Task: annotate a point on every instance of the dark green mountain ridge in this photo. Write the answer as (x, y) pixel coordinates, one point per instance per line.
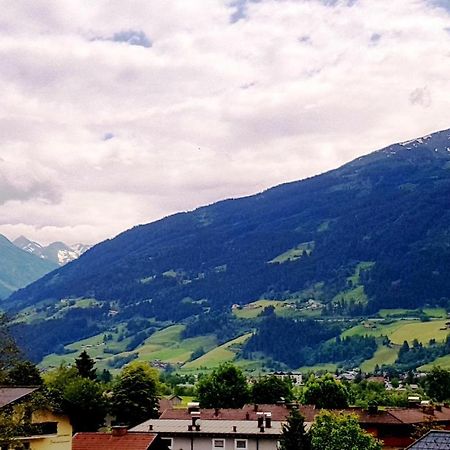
(390, 208)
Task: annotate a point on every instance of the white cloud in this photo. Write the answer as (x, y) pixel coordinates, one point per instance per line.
(218, 99)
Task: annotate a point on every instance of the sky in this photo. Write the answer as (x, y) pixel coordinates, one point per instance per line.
(115, 113)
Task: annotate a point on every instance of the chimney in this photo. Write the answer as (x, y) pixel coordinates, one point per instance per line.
(428, 409)
(216, 412)
(261, 429)
(372, 409)
(260, 417)
(193, 406)
(234, 428)
(255, 407)
(119, 430)
(150, 427)
(247, 416)
(195, 415)
(268, 417)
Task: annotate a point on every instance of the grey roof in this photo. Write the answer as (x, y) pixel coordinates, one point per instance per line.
(433, 440)
(208, 427)
(11, 394)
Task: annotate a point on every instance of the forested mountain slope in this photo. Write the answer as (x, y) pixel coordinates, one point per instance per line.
(389, 210)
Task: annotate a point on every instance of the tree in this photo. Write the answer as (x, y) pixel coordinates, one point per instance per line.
(326, 392)
(225, 387)
(333, 431)
(86, 366)
(80, 398)
(437, 384)
(294, 436)
(84, 403)
(24, 373)
(271, 389)
(9, 352)
(134, 396)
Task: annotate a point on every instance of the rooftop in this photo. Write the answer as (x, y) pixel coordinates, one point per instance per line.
(433, 440)
(207, 427)
(106, 441)
(12, 394)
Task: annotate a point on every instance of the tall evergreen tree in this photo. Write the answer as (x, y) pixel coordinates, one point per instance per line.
(86, 366)
(294, 436)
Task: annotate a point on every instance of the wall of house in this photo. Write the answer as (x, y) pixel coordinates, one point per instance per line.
(61, 441)
(206, 443)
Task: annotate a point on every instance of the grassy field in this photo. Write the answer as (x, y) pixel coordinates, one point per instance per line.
(433, 313)
(165, 345)
(383, 355)
(223, 353)
(402, 330)
(443, 361)
(253, 309)
(318, 368)
(305, 248)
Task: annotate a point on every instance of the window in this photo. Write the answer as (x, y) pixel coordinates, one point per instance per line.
(218, 443)
(168, 442)
(240, 444)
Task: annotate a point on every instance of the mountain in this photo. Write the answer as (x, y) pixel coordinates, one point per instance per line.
(18, 268)
(373, 234)
(57, 252)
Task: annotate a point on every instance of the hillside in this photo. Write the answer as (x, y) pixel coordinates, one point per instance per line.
(18, 268)
(372, 234)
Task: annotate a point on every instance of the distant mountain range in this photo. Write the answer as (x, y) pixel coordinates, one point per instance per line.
(373, 234)
(57, 252)
(19, 268)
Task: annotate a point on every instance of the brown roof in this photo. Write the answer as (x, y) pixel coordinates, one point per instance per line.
(392, 416)
(106, 441)
(247, 412)
(11, 394)
(417, 415)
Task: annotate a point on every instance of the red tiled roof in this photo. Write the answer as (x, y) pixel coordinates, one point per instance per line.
(106, 441)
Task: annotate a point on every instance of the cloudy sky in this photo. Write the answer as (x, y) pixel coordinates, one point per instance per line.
(115, 112)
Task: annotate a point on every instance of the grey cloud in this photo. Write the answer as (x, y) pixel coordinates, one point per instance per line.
(421, 97)
(108, 136)
(132, 37)
(375, 38)
(240, 11)
(34, 190)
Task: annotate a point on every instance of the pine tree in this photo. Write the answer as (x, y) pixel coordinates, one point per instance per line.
(85, 366)
(294, 436)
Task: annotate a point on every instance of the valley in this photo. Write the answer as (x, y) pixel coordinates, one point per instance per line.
(332, 272)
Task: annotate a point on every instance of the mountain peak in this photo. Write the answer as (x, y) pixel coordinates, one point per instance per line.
(57, 252)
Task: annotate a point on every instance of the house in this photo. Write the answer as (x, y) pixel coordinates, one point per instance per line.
(119, 439)
(394, 426)
(433, 440)
(295, 377)
(42, 429)
(253, 427)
